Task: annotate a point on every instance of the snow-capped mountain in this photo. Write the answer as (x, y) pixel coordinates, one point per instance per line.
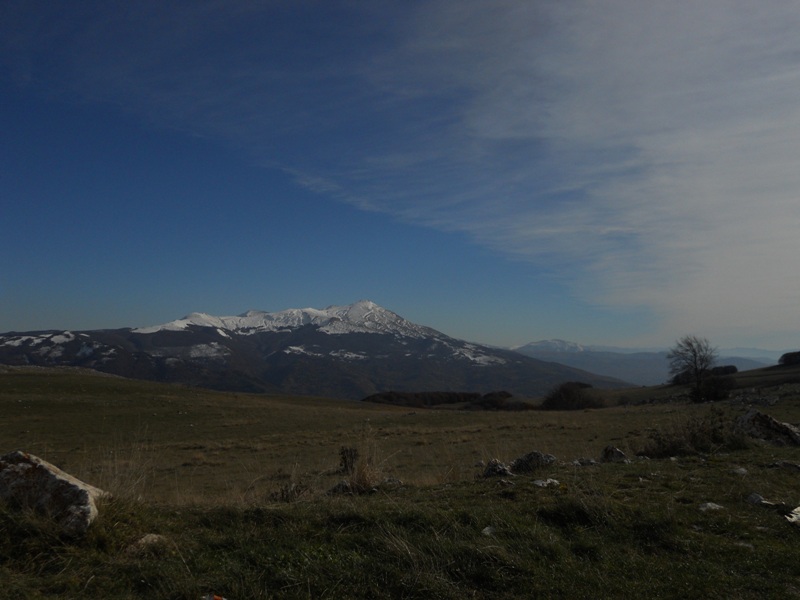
(341, 351)
(362, 317)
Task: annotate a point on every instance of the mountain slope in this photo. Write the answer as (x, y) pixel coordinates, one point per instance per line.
(347, 351)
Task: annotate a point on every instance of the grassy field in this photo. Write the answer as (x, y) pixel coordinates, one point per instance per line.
(236, 485)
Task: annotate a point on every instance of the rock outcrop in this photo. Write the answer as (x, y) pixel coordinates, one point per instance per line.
(27, 481)
(759, 425)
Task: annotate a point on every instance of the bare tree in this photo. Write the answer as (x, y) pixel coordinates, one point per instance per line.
(689, 360)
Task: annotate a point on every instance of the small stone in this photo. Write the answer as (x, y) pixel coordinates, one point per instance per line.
(613, 454)
(710, 506)
(740, 471)
(488, 531)
(794, 517)
(495, 468)
(546, 483)
(785, 464)
(150, 543)
(585, 462)
(341, 488)
(391, 483)
(758, 500)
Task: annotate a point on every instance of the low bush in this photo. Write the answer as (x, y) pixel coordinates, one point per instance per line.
(699, 435)
(715, 388)
(572, 395)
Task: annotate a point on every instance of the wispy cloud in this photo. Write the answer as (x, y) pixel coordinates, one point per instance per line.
(653, 147)
(648, 153)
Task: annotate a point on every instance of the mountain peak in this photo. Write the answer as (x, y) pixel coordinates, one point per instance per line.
(366, 304)
(363, 316)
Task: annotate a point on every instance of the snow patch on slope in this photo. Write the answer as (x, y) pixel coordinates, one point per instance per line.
(300, 350)
(212, 350)
(54, 339)
(18, 340)
(473, 353)
(196, 319)
(347, 355)
(62, 338)
(551, 346)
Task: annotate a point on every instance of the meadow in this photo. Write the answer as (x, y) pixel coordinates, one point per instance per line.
(237, 487)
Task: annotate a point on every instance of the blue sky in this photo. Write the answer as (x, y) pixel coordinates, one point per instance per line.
(618, 172)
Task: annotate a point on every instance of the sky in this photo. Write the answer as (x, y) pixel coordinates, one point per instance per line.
(618, 172)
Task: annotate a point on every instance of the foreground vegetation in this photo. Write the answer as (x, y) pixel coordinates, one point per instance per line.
(236, 488)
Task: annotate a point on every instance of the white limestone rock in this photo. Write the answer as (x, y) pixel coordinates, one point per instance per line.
(759, 425)
(614, 455)
(27, 481)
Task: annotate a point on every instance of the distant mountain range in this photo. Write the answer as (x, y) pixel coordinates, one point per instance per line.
(347, 351)
(639, 366)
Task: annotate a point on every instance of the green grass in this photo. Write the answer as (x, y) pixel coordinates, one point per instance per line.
(206, 471)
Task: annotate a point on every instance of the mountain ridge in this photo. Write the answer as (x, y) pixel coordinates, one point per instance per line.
(349, 351)
(363, 316)
(556, 345)
(639, 366)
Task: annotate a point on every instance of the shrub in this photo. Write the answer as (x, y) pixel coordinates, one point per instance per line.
(572, 395)
(715, 384)
(714, 388)
(698, 435)
(493, 401)
(790, 358)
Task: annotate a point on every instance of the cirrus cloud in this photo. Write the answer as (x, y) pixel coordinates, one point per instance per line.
(645, 153)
